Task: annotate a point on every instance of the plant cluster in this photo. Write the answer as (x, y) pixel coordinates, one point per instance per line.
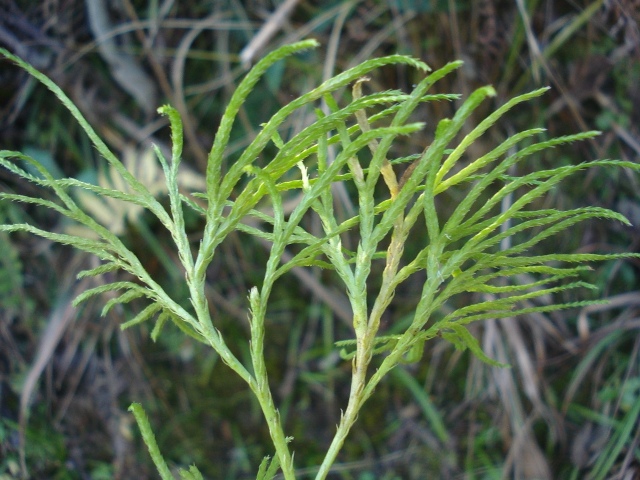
(351, 143)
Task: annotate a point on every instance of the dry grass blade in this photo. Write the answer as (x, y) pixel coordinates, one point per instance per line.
(625, 300)
(129, 75)
(57, 324)
(267, 31)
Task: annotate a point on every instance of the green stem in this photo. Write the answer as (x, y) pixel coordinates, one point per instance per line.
(272, 416)
(260, 386)
(349, 417)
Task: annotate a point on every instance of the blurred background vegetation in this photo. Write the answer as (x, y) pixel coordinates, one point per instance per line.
(568, 407)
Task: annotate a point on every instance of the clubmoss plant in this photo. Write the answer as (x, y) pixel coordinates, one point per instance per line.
(460, 254)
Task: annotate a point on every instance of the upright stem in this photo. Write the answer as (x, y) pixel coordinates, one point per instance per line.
(260, 381)
(349, 417)
(271, 414)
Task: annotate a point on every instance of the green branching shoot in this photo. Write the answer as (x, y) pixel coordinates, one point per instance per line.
(461, 252)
